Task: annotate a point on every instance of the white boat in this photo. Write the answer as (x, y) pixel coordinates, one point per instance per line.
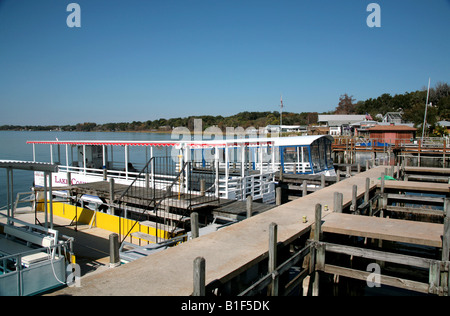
(160, 183)
(242, 167)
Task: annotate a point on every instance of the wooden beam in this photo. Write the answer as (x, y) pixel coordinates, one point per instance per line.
(419, 233)
(384, 279)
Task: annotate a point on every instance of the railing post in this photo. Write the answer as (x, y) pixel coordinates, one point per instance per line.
(199, 276)
(316, 253)
(338, 202)
(367, 191)
(114, 257)
(194, 225)
(446, 234)
(111, 196)
(278, 194)
(354, 198)
(273, 230)
(249, 206)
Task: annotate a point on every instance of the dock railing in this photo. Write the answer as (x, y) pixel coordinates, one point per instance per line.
(167, 197)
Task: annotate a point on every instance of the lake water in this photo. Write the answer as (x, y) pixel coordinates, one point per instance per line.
(13, 146)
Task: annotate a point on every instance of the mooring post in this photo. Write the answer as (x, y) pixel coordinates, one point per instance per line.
(114, 257)
(318, 222)
(354, 198)
(446, 234)
(249, 206)
(278, 192)
(199, 276)
(445, 273)
(202, 187)
(383, 195)
(305, 188)
(317, 254)
(338, 202)
(194, 225)
(273, 241)
(111, 196)
(367, 191)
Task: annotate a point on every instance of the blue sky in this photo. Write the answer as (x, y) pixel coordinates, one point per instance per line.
(140, 60)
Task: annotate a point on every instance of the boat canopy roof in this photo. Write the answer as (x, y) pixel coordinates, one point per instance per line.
(275, 141)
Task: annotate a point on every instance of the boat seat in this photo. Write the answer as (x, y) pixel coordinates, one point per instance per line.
(9, 247)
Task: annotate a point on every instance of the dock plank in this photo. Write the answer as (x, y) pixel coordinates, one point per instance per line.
(419, 233)
(416, 186)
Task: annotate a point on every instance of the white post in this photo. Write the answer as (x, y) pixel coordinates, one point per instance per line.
(152, 168)
(227, 170)
(261, 157)
(51, 199)
(104, 156)
(187, 158)
(273, 158)
(303, 162)
(217, 170)
(126, 162)
(84, 159)
(243, 182)
(51, 153)
(34, 152)
(67, 157)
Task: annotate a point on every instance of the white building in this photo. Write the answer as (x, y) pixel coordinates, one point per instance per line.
(340, 124)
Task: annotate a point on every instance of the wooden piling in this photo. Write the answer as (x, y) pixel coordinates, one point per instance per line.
(354, 198)
(273, 241)
(338, 202)
(194, 225)
(318, 259)
(249, 206)
(305, 188)
(199, 276)
(114, 258)
(367, 191)
(278, 193)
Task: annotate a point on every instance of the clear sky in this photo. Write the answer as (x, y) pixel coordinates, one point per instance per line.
(139, 60)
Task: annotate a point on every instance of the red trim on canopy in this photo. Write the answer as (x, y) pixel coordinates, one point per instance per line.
(143, 143)
(101, 143)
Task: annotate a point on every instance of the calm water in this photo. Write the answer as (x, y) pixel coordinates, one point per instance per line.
(13, 146)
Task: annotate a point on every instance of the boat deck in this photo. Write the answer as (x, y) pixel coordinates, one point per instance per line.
(143, 197)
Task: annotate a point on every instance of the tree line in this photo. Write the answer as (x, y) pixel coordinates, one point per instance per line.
(411, 104)
(242, 119)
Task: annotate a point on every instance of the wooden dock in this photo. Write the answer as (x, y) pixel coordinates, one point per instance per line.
(418, 233)
(235, 249)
